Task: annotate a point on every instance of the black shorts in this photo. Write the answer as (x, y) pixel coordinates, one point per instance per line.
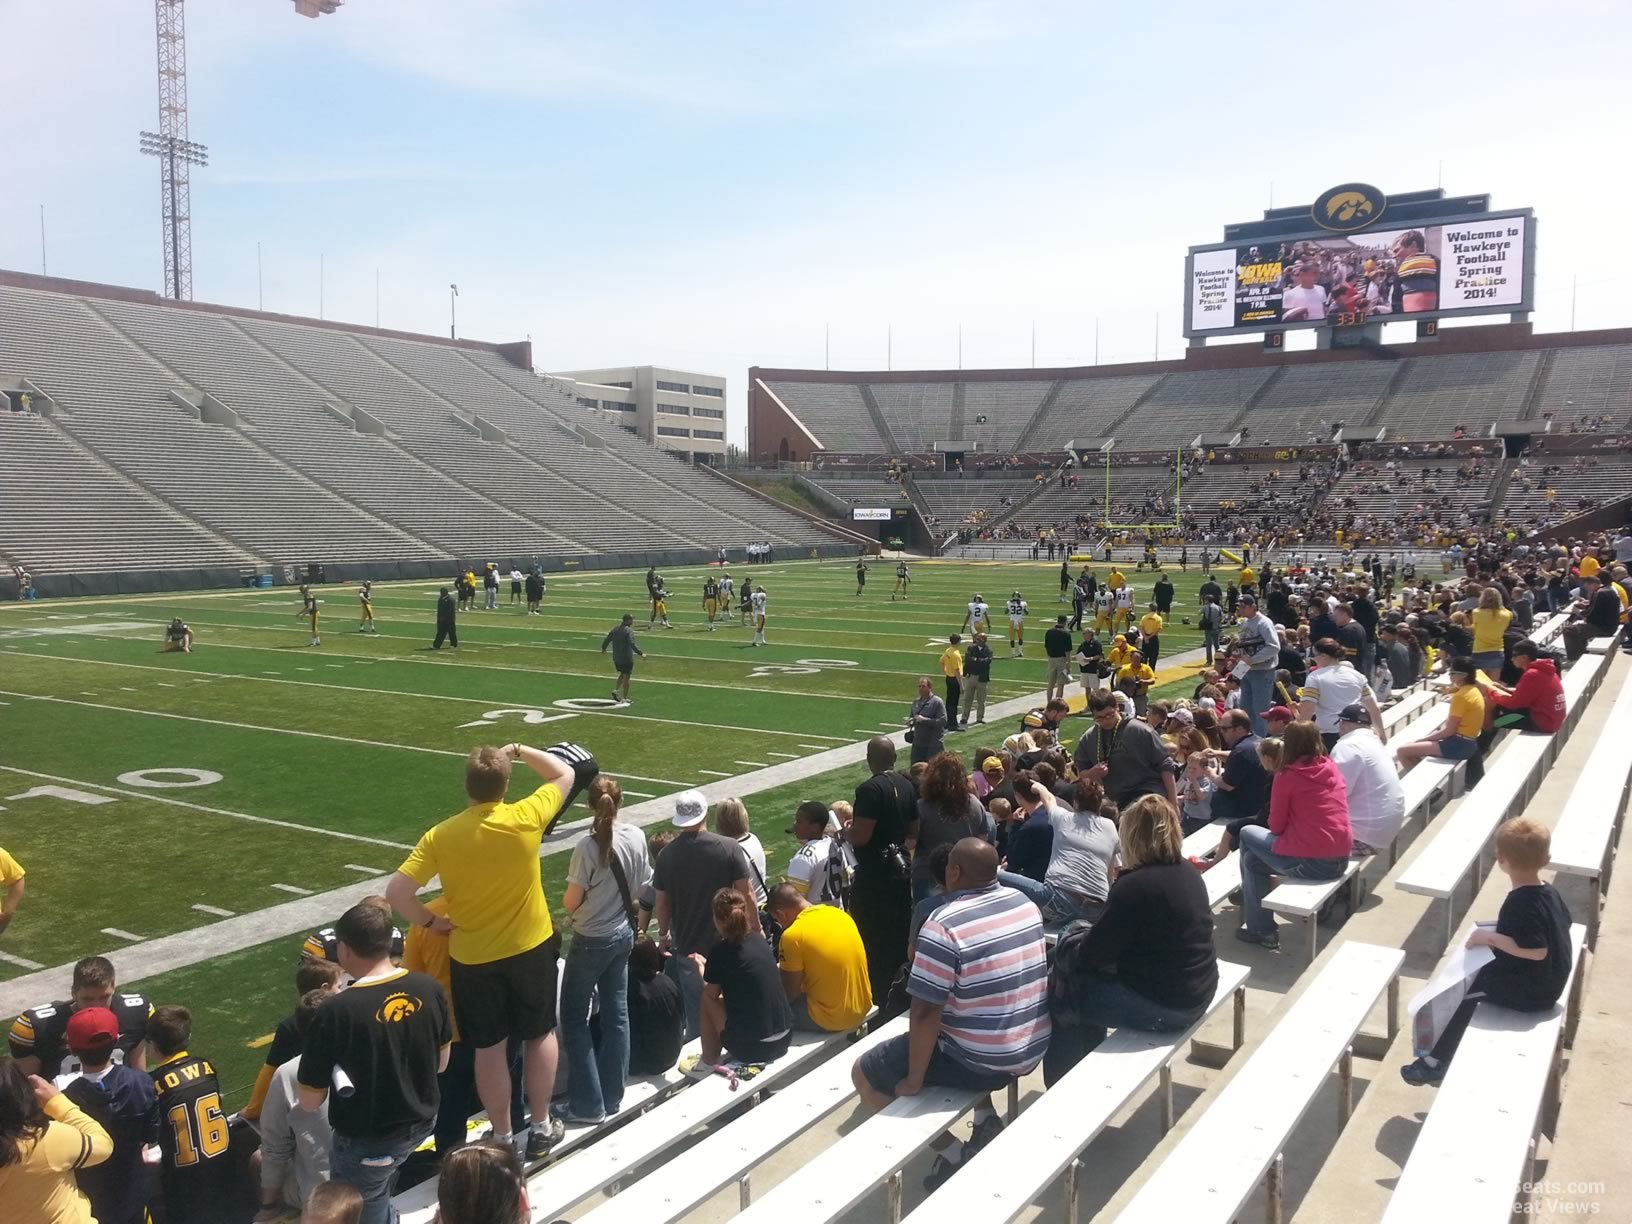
(885, 1066)
(509, 998)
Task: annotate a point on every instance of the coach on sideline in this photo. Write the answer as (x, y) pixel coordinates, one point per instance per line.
(502, 946)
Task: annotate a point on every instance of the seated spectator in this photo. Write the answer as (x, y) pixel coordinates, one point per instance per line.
(121, 1100)
(947, 812)
(1308, 836)
(1030, 838)
(1599, 607)
(295, 1143)
(1531, 944)
(657, 1013)
(1077, 874)
(310, 975)
(333, 1203)
(744, 1012)
(482, 1184)
(818, 868)
(1196, 790)
(1536, 703)
(970, 1027)
(823, 963)
(1376, 798)
(1458, 738)
(1242, 797)
(1149, 961)
(45, 1139)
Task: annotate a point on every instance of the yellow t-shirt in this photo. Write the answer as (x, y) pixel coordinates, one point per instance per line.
(1589, 566)
(1468, 708)
(824, 945)
(1248, 575)
(1489, 624)
(487, 857)
(1115, 580)
(951, 661)
(1142, 673)
(1150, 624)
(1116, 656)
(10, 870)
(425, 951)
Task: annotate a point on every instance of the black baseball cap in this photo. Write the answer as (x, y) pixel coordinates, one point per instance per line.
(1356, 714)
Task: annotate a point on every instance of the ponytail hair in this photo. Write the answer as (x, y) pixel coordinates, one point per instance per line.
(731, 915)
(605, 796)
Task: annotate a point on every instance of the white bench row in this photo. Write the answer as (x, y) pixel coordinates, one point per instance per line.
(1584, 839)
(1478, 1145)
(996, 1186)
(1237, 1140)
(1458, 848)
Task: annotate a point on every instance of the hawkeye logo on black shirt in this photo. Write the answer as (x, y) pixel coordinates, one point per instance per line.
(398, 1007)
(1349, 207)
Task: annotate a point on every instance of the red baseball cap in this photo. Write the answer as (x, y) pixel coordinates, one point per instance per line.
(1279, 714)
(92, 1030)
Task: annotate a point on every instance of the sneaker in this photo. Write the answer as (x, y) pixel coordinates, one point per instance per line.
(615, 696)
(982, 1134)
(543, 1138)
(1420, 1075)
(1272, 940)
(938, 1173)
(566, 1117)
(1235, 896)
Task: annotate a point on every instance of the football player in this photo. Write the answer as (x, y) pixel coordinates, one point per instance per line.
(1017, 626)
(308, 609)
(759, 617)
(711, 600)
(365, 597)
(177, 636)
(861, 576)
(725, 594)
(1124, 606)
(903, 580)
(196, 1169)
(978, 619)
(660, 607)
(39, 1037)
(1104, 608)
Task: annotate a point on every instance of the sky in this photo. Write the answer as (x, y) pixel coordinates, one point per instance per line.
(713, 186)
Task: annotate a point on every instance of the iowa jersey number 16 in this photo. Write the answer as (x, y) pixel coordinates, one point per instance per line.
(200, 1127)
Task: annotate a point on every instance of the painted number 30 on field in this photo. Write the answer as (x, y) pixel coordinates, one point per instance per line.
(803, 667)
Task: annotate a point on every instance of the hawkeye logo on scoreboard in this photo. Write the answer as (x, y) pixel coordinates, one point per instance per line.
(1349, 207)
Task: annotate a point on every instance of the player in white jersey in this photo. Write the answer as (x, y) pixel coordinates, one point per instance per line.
(759, 617)
(725, 594)
(978, 619)
(1104, 608)
(1124, 606)
(365, 598)
(1017, 626)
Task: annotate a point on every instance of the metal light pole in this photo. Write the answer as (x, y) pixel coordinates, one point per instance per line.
(453, 312)
(175, 155)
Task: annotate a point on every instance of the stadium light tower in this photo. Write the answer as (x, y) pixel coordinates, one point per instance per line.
(176, 153)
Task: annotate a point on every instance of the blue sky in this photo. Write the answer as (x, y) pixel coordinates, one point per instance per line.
(713, 186)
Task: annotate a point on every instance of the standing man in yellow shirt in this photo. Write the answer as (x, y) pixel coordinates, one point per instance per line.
(11, 880)
(1150, 626)
(952, 669)
(503, 948)
(1135, 678)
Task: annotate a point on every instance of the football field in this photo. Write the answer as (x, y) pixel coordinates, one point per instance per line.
(191, 816)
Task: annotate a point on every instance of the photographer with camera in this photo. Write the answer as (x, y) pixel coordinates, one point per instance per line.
(883, 828)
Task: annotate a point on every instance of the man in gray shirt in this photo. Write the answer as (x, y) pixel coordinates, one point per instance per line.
(1261, 649)
(624, 651)
(1125, 756)
(927, 722)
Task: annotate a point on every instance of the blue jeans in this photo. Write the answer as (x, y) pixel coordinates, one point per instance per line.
(686, 977)
(596, 965)
(1059, 907)
(1107, 1004)
(1256, 689)
(371, 1166)
(1259, 861)
(1209, 639)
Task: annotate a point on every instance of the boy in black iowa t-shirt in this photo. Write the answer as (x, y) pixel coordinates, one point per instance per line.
(1531, 942)
(389, 1033)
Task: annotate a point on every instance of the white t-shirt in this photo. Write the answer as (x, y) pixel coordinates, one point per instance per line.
(1376, 798)
(1313, 300)
(756, 857)
(1332, 687)
(808, 870)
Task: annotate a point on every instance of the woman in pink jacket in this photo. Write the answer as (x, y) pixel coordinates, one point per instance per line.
(1308, 837)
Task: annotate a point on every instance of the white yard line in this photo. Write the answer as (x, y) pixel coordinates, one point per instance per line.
(214, 811)
(364, 870)
(118, 934)
(490, 702)
(292, 888)
(215, 910)
(750, 764)
(717, 773)
(22, 962)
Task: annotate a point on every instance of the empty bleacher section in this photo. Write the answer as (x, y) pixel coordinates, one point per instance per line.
(1588, 386)
(918, 414)
(1084, 407)
(1187, 404)
(950, 500)
(1306, 402)
(1471, 391)
(1006, 407)
(861, 490)
(834, 412)
(223, 439)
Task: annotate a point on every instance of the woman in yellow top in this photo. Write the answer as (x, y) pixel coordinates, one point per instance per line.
(44, 1137)
(1490, 621)
(1458, 739)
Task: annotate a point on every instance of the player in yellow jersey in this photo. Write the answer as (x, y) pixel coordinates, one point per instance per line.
(308, 608)
(365, 599)
(711, 600)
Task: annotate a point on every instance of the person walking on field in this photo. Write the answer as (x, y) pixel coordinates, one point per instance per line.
(503, 946)
(624, 652)
(1057, 645)
(446, 629)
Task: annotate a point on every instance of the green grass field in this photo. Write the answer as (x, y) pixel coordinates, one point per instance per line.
(318, 767)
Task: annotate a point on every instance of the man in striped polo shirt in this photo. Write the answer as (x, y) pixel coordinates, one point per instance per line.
(979, 987)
